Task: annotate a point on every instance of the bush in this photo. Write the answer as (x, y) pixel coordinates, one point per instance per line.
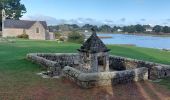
(57, 35)
(75, 37)
(24, 35)
(61, 38)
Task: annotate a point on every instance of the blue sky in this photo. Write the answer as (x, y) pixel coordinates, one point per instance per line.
(117, 12)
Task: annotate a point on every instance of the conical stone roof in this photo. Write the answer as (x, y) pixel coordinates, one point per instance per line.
(93, 44)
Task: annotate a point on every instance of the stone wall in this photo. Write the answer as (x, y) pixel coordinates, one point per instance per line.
(39, 36)
(54, 62)
(12, 32)
(89, 80)
(51, 36)
(155, 70)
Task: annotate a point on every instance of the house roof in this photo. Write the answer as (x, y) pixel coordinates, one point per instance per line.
(9, 23)
(93, 44)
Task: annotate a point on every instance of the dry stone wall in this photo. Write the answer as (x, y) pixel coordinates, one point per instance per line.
(89, 80)
(56, 62)
(53, 62)
(155, 70)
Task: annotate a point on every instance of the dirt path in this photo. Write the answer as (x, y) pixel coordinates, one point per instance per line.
(66, 90)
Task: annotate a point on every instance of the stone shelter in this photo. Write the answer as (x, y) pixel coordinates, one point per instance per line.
(34, 29)
(94, 55)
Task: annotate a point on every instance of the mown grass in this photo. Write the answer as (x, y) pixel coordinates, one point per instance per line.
(16, 73)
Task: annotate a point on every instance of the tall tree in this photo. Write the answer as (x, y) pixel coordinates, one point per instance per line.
(13, 8)
(105, 28)
(87, 27)
(166, 29)
(139, 28)
(157, 28)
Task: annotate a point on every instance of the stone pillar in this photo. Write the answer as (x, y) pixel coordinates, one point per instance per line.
(94, 63)
(107, 63)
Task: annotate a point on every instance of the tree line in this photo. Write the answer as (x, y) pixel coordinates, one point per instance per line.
(108, 29)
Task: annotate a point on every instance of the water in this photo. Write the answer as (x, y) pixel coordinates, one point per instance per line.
(138, 40)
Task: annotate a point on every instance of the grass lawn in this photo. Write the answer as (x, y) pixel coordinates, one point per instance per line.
(18, 79)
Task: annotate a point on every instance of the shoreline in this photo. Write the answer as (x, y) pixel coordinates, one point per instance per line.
(139, 34)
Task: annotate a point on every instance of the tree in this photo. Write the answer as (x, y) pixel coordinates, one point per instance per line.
(115, 28)
(87, 27)
(129, 29)
(157, 28)
(105, 28)
(13, 8)
(166, 29)
(76, 37)
(139, 28)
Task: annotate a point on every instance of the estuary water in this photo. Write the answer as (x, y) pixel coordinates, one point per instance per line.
(157, 42)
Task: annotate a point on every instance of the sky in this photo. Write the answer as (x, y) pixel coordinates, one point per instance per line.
(112, 12)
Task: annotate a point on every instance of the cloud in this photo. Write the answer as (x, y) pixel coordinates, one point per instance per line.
(143, 20)
(108, 21)
(79, 21)
(123, 19)
(82, 21)
(165, 23)
(168, 20)
(48, 19)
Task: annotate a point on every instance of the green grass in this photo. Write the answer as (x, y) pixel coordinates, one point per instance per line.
(16, 73)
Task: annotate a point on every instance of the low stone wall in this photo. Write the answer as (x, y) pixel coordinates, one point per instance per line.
(53, 62)
(155, 70)
(89, 80)
(68, 59)
(122, 63)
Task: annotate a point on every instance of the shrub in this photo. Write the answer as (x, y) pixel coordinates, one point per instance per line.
(24, 35)
(57, 35)
(75, 37)
(61, 38)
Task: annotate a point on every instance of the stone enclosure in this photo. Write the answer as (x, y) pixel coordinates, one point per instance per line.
(122, 70)
(92, 66)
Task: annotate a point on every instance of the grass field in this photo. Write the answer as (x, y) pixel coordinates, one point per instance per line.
(18, 79)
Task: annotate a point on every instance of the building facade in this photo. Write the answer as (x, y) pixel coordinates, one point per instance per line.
(34, 29)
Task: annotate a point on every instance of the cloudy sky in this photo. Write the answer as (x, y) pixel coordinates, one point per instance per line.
(98, 12)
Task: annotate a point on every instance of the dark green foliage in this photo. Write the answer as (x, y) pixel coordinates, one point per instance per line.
(24, 35)
(108, 29)
(105, 28)
(129, 29)
(75, 37)
(166, 29)
(134, 29)
(157, 28)
(13, 8)
(62, 39)
(57, 35)
(139, 28)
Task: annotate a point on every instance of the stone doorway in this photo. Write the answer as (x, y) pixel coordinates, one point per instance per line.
(101, 63)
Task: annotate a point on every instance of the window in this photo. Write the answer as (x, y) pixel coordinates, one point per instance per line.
(37, 30)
